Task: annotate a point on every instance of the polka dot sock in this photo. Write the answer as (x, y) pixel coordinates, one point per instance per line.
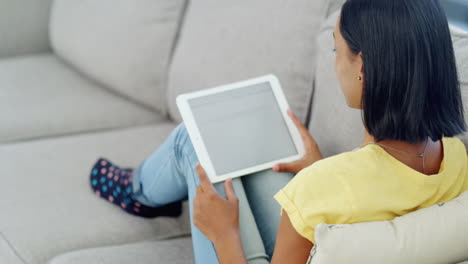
(115, 185)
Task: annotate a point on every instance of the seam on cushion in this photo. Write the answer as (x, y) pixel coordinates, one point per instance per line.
(181, 21)
(397, 237)
(13, 248)
(296, 211)
(176, 39)
(107, 88)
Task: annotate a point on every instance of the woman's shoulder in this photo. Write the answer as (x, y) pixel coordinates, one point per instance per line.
(338, 171)
(371, 157)
(455, 145)
(349, 161)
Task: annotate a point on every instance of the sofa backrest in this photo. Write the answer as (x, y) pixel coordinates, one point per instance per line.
(338, 128)
(125, 45)
(335, 126)
(24, 27)
(460, 44)
(223, 42)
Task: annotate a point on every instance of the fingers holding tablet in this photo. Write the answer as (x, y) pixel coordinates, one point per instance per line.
(310, 145)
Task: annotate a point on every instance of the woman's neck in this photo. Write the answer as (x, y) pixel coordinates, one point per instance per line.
(433, 155)
(398, 144)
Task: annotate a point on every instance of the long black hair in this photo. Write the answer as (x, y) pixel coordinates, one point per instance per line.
(411, 87)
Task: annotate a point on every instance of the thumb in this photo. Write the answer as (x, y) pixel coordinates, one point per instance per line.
(285, 167)
(230, 194)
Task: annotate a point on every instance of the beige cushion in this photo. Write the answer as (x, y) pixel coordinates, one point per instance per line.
(223, 42)
(123, 44)
(40, 96)
(46, 203)
(433, 235)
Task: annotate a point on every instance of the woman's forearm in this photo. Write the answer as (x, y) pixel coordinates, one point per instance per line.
(229, 249)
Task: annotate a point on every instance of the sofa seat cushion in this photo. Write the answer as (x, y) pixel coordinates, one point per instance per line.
(41, 96)
(171, 251)
(46, 203)
(224, 42)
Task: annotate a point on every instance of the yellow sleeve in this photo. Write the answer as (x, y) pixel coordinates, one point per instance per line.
(316, 195)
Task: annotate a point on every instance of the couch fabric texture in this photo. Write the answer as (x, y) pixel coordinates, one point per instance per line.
(49, 98)
(273, 36)
(124, 45)
(86, 79)
(24, 27)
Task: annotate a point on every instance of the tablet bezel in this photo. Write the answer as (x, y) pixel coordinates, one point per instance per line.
(197, 141)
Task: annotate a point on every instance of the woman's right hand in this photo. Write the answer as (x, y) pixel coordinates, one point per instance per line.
(312, 150)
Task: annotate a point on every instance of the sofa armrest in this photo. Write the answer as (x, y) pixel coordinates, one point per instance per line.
(24, 27)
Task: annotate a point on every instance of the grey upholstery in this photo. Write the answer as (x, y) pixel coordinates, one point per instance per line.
(335, 126)
(51, 210)
(226, 42)
(127, 50)
(24, 27)
(173, 251)
(42, 97)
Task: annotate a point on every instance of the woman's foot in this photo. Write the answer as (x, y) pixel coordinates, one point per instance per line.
(115, 185)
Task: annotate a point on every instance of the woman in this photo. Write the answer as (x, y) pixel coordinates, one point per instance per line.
(395, 61)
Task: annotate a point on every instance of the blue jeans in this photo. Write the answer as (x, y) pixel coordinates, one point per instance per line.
(169, 175)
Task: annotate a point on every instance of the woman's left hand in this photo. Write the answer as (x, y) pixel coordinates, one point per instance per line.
(216, 217)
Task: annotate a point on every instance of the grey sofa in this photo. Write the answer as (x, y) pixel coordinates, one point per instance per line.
(84, 79)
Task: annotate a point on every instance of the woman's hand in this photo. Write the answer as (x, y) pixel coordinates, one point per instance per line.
(312, 150)
(216, 217)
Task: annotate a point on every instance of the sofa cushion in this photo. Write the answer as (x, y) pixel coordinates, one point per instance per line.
(172, 251)
(226, 42)
(123, 44)
(330, 115)
(7, 252)
(47, 206)
(24, 27)
(334, 6)
(41, 96)
(436, 234)
(460, 43)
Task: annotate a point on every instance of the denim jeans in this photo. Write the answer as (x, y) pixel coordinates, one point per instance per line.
(169, 175)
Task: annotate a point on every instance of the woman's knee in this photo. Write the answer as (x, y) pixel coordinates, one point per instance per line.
(181, 131)
(181, 135)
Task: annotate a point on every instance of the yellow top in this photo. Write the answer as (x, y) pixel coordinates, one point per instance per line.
(369, 185)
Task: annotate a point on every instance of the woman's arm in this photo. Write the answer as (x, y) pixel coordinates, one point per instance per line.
(290, 247)
(229, 249)
(218, 219)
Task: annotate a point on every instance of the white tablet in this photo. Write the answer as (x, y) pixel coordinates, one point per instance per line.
(240, 128)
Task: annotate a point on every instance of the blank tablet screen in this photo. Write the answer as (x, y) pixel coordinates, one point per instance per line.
(242, 128)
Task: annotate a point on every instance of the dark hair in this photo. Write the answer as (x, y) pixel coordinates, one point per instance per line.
(411, 87)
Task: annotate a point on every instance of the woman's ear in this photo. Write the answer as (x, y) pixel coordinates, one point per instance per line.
(361, 63)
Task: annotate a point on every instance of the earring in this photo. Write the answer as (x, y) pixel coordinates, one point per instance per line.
(359, 78)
